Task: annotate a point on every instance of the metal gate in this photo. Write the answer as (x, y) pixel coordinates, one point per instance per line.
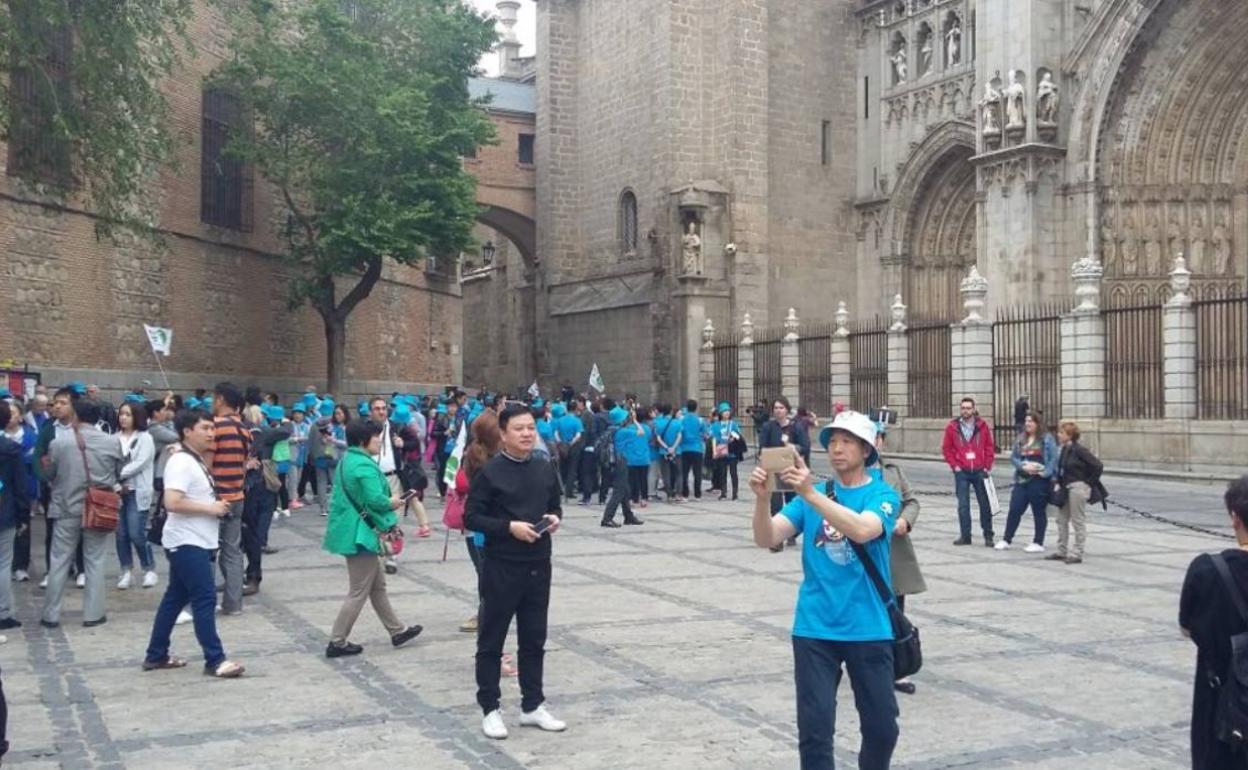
(1222, 358)
(1134, 376)
(1026, 360)
(725, 355)
(868, 365)
(930, 368)
(815, 351)
(767, 381)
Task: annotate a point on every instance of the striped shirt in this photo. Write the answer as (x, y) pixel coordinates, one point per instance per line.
(231, 443)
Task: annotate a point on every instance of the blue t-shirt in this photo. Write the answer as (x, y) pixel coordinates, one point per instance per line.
(667, 428)
(837, 601)
(637, 448)
(546, 429)
(691, 438)
(567, 427)
(722, 432)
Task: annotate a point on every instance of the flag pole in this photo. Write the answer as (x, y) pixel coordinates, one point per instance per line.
(161, 366)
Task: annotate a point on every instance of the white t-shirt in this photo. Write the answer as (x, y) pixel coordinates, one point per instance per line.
(185, 474)
(385, 459)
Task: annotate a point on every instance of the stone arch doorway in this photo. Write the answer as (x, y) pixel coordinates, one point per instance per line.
(940, 240)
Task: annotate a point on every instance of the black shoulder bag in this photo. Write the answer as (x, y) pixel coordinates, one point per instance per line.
(907, 649)
(1231, 716)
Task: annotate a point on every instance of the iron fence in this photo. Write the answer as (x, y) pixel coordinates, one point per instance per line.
(768, 385)
(1026, 361)
(930, 368)
(1134, 375)
(1222, 358)
(868, 364)
(815, 352)
(725, 348)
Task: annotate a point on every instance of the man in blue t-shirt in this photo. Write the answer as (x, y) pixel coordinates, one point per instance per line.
(692, 447)
(840, 617)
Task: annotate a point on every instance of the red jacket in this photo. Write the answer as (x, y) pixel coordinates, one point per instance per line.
(981, 447)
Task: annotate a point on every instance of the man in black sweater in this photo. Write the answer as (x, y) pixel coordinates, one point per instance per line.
(515, 502)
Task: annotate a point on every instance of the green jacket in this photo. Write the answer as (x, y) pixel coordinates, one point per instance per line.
(358, 481)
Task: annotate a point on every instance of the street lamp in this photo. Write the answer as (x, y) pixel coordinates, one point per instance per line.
(487, 253)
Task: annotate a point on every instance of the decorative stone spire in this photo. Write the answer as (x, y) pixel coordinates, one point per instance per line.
(1087, 274)
(509, 46)
(974, 291)
(899, 315)
(747, 331)
(842, 320)
(790, 326)
(1180, 282)
(708, 335)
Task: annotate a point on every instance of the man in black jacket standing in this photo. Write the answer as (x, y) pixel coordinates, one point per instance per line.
(515, 502)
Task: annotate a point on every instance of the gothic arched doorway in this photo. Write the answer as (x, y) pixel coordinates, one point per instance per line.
(941, 237)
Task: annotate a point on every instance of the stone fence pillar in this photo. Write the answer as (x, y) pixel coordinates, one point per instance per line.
(840, 357)
(706, 365)
(898, 362)
(1083, 346)
(1179, 346)
(971, 343)
(790, 360)
(745, 367)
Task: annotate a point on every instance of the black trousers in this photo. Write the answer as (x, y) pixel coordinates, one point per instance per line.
(691, 461)
(520, 590)
(308, 474)
(588, 475)
(639, 482)
(283, 493)
(4, 722)
(725, 468)
(258, 507)
(569, 470)
(619, 493)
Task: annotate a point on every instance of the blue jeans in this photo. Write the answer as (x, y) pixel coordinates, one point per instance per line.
(190, 581)
(1033, 492)
(817, 672)
(132, 532)
(963, 481)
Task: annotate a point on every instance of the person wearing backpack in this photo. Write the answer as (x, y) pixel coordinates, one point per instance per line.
(1213, 613)
(623, 435)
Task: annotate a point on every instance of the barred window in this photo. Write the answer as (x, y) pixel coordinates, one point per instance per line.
(225, 181)
(628, 222)
(525, 150)
(37, 151)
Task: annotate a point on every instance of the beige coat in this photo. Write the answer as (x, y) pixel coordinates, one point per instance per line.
(904, 565)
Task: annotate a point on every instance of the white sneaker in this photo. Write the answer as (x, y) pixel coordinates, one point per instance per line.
(1034, 548)
(44, 583)
(183, 617)
(21, 576)
(122, 584)
(1002, 545)
(540, 717)
(150, 579)
(82, 580)
(493, 725)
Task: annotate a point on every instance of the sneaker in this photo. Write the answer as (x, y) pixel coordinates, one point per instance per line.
(251, 589)
(280, 512)
(295, 505)
(988, 541)
(540, 717)
(44, 583)
(21, 576)
(392, 567)
(1075, 560)
(150, 579)
(9, 623)
(1059, 556)
(424, 532)
(81, 582)
(469, 626)
(406, 635)
(1002, 545)
(183, 618)
(1034, 548)
(342, 650)
(122, 584)
(962, 541)
(493, 725)
(324, 513)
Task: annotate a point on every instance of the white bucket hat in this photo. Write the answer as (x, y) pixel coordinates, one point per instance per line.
(855, 424)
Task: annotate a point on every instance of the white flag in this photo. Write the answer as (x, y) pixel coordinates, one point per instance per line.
(160, 337)
(457, 454)
(534, 391)
(595, 380)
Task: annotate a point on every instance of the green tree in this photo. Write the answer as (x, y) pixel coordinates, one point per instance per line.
(80, 99)
(362, 116)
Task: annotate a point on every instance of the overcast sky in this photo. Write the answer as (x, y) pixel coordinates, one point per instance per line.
(525, 30)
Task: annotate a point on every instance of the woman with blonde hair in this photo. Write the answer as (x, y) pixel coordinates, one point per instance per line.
(1078, 483)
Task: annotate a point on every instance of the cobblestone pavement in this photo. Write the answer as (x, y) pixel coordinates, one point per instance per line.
(669, 648)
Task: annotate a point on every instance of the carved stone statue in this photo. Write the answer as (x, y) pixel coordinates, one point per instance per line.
(991, 106)
(925, 55)
(1198, 260)
(1015, 114)
(1176, 243)
(1128, 247)
(1153, 261)
(692, 250)
(900, 70)
(1046, 101)
(953, 44)
(1109, 249)
(1220, 245)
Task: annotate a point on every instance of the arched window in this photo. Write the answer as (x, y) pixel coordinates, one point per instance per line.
(628, 222)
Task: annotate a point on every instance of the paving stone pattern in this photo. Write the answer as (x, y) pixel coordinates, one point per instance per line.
(669, 648)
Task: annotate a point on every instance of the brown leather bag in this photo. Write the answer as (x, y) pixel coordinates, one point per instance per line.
(102, 508)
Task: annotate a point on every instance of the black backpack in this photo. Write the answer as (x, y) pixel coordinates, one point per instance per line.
(604, 447)
(1231, 717)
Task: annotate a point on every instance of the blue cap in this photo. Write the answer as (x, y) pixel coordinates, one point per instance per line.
(298, 406)
(538, 403)
(78, 388)
(132, 398)
(724, 406)
(4, 393)
(327, 407)
(618, 415)
(401, 414)
(441, 408)
(274, 412)
(362, 407)
(558, 410)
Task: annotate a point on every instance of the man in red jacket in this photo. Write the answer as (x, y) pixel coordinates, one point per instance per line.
(969, 449)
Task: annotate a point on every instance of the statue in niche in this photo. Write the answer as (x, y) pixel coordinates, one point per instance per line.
(991, 105)
(1109, 247)
(1046, 101)
(1175, 242)
(925, 51)
(900, 70)
(953, 43)
(1153, 262)
(1014, 94)
(1220, 245)
(692, 249)
(1198, 262)
(1128, 248)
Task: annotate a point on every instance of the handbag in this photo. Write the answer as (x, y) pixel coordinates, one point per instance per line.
(390, 541)
(102, 508)
(1058, 493)
(453, 514)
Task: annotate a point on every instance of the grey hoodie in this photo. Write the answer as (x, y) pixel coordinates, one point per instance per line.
(163, 434)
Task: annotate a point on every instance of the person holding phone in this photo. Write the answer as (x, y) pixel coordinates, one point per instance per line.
(509, 498)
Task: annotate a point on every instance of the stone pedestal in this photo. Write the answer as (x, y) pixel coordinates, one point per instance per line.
(706, 366)
(1179, 347)
(790, 361)
(898, 361)
(1083, 366)
(745, 366)
(840, 358)
(971, 344)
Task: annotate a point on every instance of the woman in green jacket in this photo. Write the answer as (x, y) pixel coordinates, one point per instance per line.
(361, 507)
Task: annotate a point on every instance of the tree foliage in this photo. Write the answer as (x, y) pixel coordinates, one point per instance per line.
(82, 79)
(362, 116)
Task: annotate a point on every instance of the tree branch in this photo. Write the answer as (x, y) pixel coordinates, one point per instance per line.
(372, 274)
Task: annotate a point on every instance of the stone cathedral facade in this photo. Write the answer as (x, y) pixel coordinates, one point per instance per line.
(704, 159)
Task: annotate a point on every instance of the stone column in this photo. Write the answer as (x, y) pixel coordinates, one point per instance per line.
(706, 365)
(1083, 346)
(971, 343)
(1179, 346)
(840, 357)
(745, 366)
(898, 361)
(790, 360)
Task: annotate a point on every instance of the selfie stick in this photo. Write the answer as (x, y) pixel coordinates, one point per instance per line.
(446, 543)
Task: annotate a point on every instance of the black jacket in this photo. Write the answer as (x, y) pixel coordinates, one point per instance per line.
(14, 496)
(772, 435)
(1077, 463)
